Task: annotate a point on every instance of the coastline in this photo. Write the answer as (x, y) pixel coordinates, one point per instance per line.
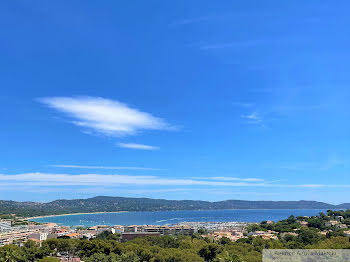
(112, 212)
(73, 214)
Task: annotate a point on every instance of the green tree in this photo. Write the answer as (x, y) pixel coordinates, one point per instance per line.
(32, 250)
(11, 253)
(316, 223)
(291, 219)
(228, 257)
(308, 236)
(225, 241)
(209, 252)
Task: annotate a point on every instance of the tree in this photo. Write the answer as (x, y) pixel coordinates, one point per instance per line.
(31, 250)
(202, 231)
(225, 240)
(291, 219)
(11, 253)
(316, 223)
(228, 257)
(209, 252)
(346, 221)
(334, 243)
(308, 236)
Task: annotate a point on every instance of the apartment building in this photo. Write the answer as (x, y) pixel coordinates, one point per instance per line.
(5, 224)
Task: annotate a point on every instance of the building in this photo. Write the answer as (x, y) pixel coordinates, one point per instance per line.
(265, 235)
(347, 233)
(19, 235)
(5, 224)
(331, 223)
(38, 236)
(73, 235)
(170, 230)
(284, 234)
(303, 223)
(341, 226)
(232, 235)
(132, 228)
(339, 218)
(118, 229)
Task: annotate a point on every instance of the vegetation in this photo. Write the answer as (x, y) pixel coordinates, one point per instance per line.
(196, 248)
(165, 248)
(109, 204)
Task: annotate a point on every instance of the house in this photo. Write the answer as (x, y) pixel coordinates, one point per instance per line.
(265, 235)
(347, 233)
(73, 235)
(341, 226)
(284, 234)
(233, 236)
(339, 218)
(303, 223)
(331, 223)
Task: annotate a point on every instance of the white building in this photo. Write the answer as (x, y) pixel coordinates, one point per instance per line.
(5, 225)
(38, 236)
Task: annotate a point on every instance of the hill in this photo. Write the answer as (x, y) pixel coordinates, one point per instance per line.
(111, 204)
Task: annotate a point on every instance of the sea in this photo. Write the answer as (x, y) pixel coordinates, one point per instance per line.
(174, 217)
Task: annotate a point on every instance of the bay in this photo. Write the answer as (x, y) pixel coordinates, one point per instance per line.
(174, 217)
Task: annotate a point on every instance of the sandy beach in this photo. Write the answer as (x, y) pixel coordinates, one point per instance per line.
(72, 214)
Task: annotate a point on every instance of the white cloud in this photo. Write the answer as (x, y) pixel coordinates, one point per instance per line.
(47, 179)
(251, 179)
(107, 167)
(225, 178)
(105, 116)
(93, 180)
(137, 146)
(253, 118)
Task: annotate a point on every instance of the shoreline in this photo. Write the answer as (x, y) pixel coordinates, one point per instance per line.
(72, 214)
(115, 212)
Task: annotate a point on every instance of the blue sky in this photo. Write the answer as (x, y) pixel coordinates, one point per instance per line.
(175, 99)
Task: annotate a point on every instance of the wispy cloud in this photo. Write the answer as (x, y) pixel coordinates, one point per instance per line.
(93, 180)
(224, 178)
(253, 117)
(45, 179)
(105, 116)
(137, 146)
(107, 167)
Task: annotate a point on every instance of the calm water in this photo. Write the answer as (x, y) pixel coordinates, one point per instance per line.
(173, 217)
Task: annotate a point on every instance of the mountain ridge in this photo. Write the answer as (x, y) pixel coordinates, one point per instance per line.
(113, 204)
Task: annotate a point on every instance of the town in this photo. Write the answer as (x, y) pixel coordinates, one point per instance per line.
(293, 232)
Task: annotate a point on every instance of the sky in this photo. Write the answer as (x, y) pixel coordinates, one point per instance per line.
(208, 100)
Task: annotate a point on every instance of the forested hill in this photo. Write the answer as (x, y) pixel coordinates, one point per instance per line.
(110, 204)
